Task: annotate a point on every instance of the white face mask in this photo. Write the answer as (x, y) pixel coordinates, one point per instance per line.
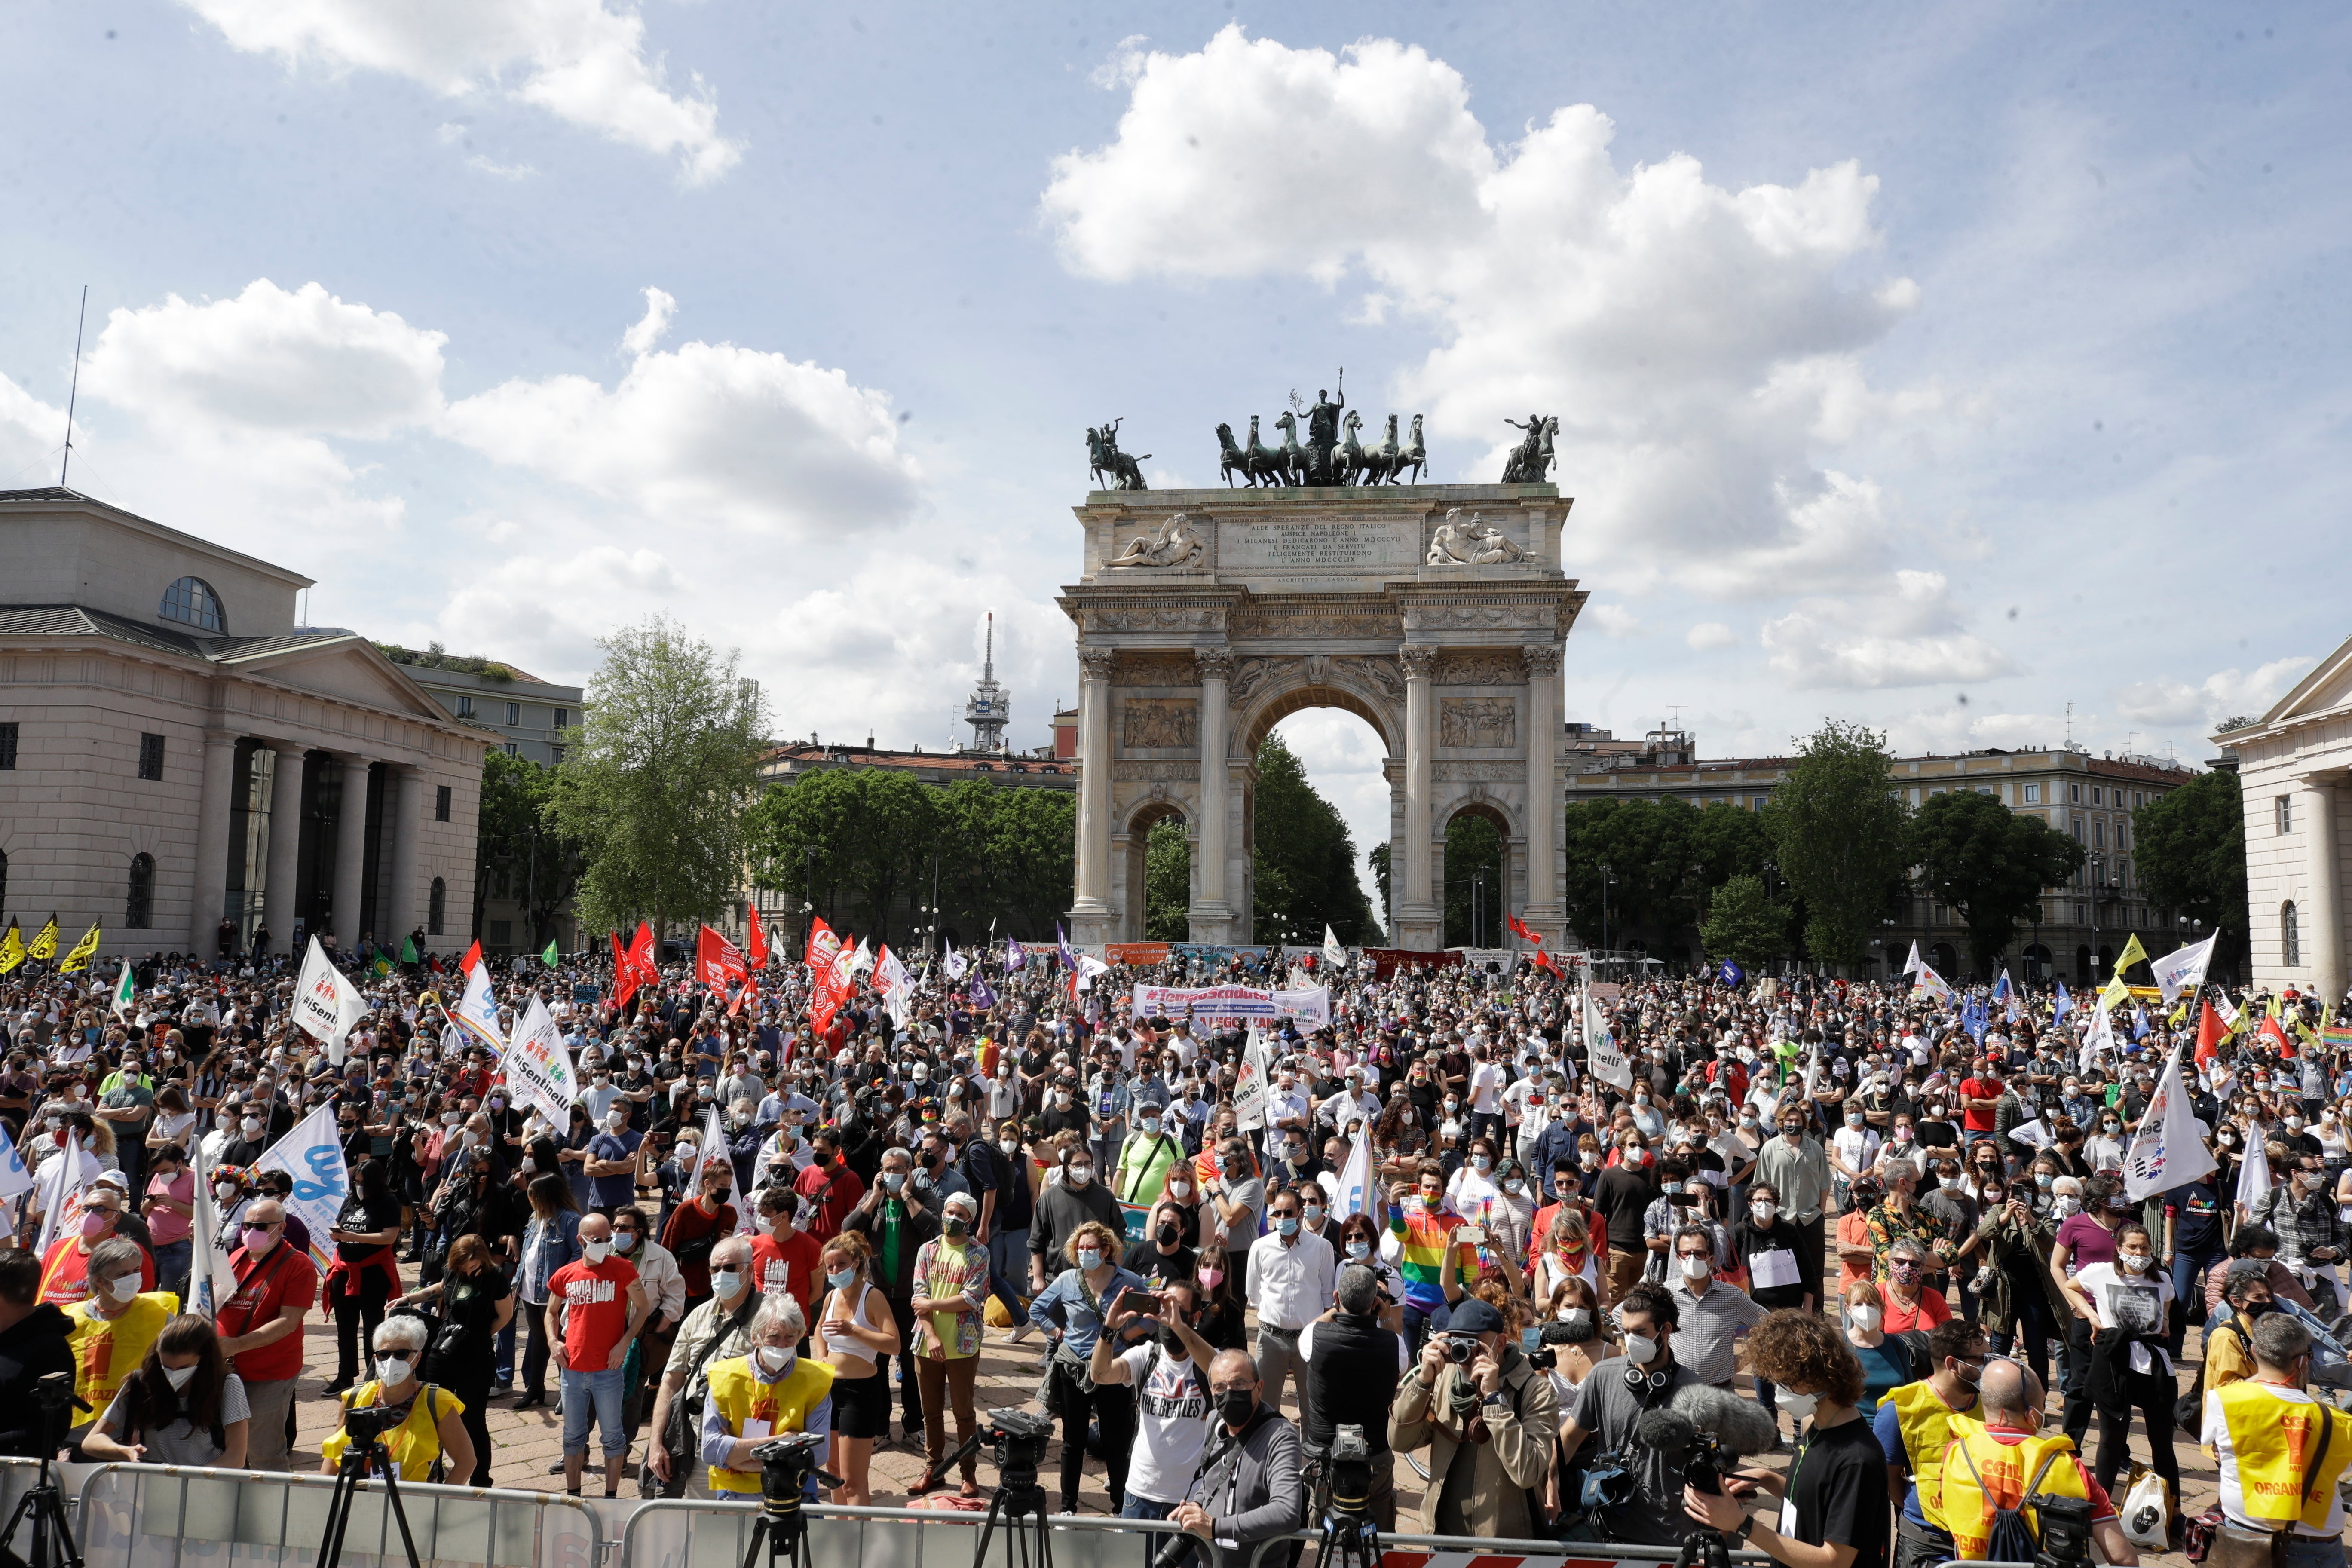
(2136, 1262)
(725, 1282)
(776, 1360)
(596, 1251)
(1696, 1269)
(1865, 1318)
(123, 1287)
(1763, 1213)
(1798, 1407)
(179, 1377)
(225, 1191)
(1641, 1352)
(391, 1369)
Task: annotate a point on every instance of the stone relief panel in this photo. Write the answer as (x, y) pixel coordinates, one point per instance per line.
(1501, 669)
(1476, 618)
(1154, 669)
(1377, 676)
(1153, 722)
(1465, 773)
(1261, 622)
(1478, 721)
(1155, 773)
(1153, 620)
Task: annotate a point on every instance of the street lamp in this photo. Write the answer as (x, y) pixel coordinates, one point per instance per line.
(1605, 879)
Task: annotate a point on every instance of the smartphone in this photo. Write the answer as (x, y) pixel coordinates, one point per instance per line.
(1144, 1304)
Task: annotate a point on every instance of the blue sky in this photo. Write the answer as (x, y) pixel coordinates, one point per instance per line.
(1936, 367)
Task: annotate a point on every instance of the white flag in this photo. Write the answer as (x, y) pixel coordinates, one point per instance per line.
(2185, 969)
(1601, 1056)
(1356, 1194)
(1253, 1084)
(2099, 1038)
(15, 1179)
(954, 964)
(861, 960)
(1088, 967)
(2254, 1174)
(326, 1004)
(125, 993)
(312, 1153)
(476, 1011)
(890, 979)
(211, 1278)
(1333, 953)
(1912, 965)
(537, 1065)
(65, 1192)
(2166, 1151)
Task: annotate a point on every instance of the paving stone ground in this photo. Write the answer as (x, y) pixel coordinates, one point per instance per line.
(527, 1444)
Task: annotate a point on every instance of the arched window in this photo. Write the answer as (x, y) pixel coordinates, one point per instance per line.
(2290, 936)
(437, 908)
(139, 902)
(192, 602)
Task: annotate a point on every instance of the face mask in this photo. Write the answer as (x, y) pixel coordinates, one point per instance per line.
(1949, 1184)
(2293, 1124)
(252, 1125)
(1696, 1269)
(1287, 1225)
(2134, 1262)
(259, 1238)
(1212, 1277)
(1148, 1124)
(841, 1279)
(776, 1360)
(1853, 1119)
(1640, 1351)
(1903, 1135)
(1672, 1189)
(2067, 1203)
(1360, 1250)
(1079, 1175)
(1180, 1190)
(391, 1369)
(2043, 1179)
(1089, 1259)
(1575, 1317)
(123, 1288)
(1234, 1405)
(892, 1179)
(179, 1377)
(595, 1251)
(94, 1222)
(1748, 1122)
(1009, 1145)
(1763, 1212)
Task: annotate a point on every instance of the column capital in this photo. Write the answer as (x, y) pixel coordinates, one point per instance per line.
(1542, 659)
(1214, 663)
(1420, 662)
(1093, 663)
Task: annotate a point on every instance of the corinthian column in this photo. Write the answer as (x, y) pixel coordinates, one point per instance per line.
(1213, 915)
(1541, 731)
(1090, 911)
(1418, 913)
(351, 851)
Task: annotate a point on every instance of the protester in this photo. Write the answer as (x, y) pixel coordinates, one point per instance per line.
(114, 1327)
(2279, 1468)
(1071, 1311)
(181, 1405)
(260, 1328)
(717, 1330)
(430, 1440)
(950, 1284)
(596, 1307)
(859, 1332)
(764, 1393)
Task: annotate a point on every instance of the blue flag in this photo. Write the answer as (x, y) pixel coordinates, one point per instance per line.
(1973, 1019)
(1730, 974)
(2001, 989)
(2065, 1004)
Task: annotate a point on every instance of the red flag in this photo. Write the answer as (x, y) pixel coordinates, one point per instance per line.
(717, 960)
(1519, 930)
(759, 940)
(821, 947)
(625, 973)
(473, 956)
(2209, 1033)
(2277, 1037)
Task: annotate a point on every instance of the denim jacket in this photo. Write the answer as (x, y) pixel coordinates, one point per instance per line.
(547, 1245)
(1063, 1305)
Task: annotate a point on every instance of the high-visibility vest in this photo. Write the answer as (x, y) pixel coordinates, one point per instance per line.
(1925, 1422)
(739, 1396)
(415, 1443)
(107, 1351)
(2275, 1441)
(1982, 1473)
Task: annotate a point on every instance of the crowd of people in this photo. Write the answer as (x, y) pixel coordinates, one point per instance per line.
(1890, 1231)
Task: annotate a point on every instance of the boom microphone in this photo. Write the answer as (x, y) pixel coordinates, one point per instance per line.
(1739, 1425)
(1665, 1430)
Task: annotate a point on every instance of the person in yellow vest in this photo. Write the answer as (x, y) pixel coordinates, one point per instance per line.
(1913, 1423)
(434, 1428)
(113, 1326)
(762, 1395)
(2229, 1336)
(2281, 1453)
(1998, 1461)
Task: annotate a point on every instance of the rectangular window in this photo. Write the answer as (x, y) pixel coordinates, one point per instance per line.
(2082, 914)
(2074, 795)
(465, 707)
(510, 748)
(2098, 836)
(2286, 813)
(563, 718)
(1756, 802)
(2098, 795)
(441, 804)
(558, 754)
(151, 756)
(2034, 794)
(2078, 829)
(8, 744)
(514, 712)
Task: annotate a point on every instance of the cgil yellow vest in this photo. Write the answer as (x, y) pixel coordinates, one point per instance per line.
(1925, 1422)
(739, 1397)
(2275, 1441)
(1981, 1474)
(107, 1352)
(415, 1443)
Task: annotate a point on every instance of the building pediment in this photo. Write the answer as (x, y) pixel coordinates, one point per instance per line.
(2327, 689)
(348, 669)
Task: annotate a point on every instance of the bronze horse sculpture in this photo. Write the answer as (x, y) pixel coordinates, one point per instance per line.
(1104, 457)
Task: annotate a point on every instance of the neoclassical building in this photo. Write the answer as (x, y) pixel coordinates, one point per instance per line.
(2292, 764)
(175, 751)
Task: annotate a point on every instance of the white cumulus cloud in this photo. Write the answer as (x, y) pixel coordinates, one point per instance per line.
(1707, 636)
(1616, 620)
(1909, 639)
(2225, 694)
(576, 60)
(650, 327)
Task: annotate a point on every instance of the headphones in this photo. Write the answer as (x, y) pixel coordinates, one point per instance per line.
(1646, 1384)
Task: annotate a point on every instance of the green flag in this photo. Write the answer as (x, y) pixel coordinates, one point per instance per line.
(123, 990)
(408, 949)
(550, 957)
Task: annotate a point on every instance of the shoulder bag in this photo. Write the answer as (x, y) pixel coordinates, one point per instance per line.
(677, 1434)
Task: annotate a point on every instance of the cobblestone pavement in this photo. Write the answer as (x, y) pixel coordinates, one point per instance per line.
(528, 1444)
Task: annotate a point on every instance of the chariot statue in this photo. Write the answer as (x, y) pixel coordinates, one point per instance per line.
(1532, 457)
(1104, 458)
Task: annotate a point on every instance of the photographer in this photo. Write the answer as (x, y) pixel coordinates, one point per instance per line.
(1352, 1367)
(32, 1347)
(1170, 1377)
(1834, 1516)
(1489, 1426)
(1249, 1488)
(774, 1388)
(1613, 1400)
(431, 1431)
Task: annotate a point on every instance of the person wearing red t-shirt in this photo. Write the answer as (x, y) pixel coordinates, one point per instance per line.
(65, 1268)
(1979, 1098)
(785, 1258)
(699, 1224)
(600, 1307)
(261, 1327)
(832, 1188)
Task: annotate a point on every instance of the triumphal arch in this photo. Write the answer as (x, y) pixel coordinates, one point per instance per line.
(1435, 613)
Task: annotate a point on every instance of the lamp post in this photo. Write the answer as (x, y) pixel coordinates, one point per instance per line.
(1605, 879)
(808, 897)
(1479, 908)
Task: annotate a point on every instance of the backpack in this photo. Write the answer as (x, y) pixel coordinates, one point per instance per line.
(2013, 1539)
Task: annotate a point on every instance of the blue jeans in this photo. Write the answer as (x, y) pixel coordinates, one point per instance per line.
(172, 1261)
(2314, 1551)
(1008, 1267)
(2188, 1271)
(1144, 1508)
(603, 1389)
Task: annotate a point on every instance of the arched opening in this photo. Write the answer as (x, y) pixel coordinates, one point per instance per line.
(437, 908)
(1152, 861)
(138, 900)
(2290, 936)
(1476, 875)
(2082, 966)
(1319, 809)
(192, 602)
(1945, 959)
(2037, 965)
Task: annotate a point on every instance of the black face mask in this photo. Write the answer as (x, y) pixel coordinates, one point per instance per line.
(1167, 1235)
(1234, 1405)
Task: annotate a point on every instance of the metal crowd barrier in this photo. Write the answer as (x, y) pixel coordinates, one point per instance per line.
(1535, 1554)
(172, 1516)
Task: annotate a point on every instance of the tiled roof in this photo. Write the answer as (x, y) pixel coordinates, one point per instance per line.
(80, 621)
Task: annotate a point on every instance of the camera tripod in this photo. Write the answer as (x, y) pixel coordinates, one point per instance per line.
(53, 1541)
(1351, 1537)
(784, 1528)
(1018, 1497)
(350, 1472)
(1704, 1548)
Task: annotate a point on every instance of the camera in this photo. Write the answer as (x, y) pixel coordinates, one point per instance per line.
(1459, 1348)
(2065, 1530)
(787, 1464)
(365, 1424)
(1348, 1469)
(1019, 1440)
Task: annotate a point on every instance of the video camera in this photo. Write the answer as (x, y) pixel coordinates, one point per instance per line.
(2065, 1530)
(787, 1464)
(1555, 1334)
(365, 1424)
(1018, 1438)
(1347, 1471)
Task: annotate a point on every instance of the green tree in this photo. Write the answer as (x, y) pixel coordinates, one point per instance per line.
(656, 783)
(516, 837)
(1474, 844)
(1011, 853)
(1651, 851)
(1744, 924)
(1726, 842)
(1838, 831)
(2190, 848)
(1379, 862)
(1989, 863)
(1168, 882)
(1306, 858)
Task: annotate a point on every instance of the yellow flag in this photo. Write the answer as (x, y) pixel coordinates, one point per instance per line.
(12, 949)
(45, 941)
(2274, 1010)
(83, 951)
(2132, 953)
(2115, 993)
(2178, 1016)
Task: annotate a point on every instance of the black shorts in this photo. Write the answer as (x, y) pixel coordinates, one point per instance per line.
(861, 1405)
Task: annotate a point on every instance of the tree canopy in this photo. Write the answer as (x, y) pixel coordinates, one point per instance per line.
(1474, 844)
(1665, 858)
(1744, 924)
(1989, 863)
(2190, 848)
(1839, 836)
(1306, 858)
(518, 840)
